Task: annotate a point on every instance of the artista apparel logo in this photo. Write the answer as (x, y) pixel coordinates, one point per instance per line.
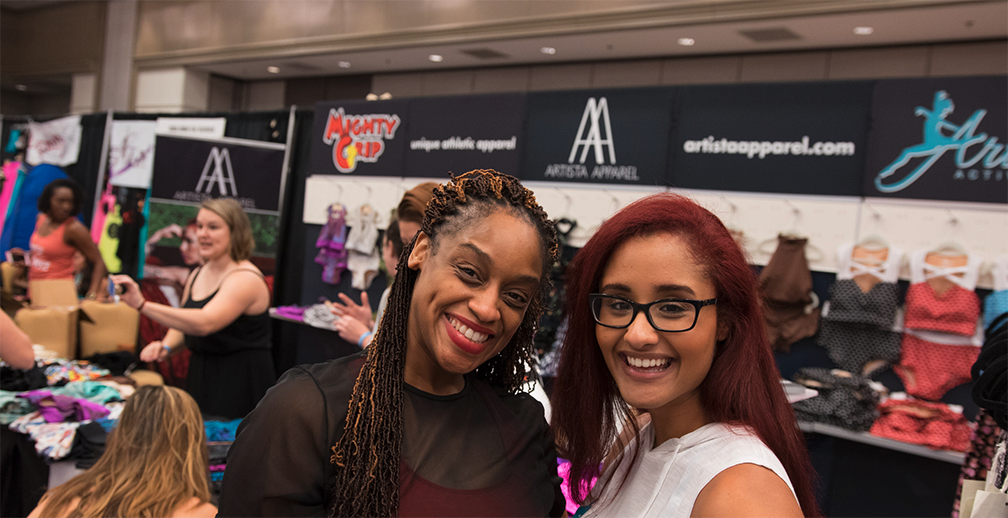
(358, 138)
(216, 172)
(591, 136)
(977, 156)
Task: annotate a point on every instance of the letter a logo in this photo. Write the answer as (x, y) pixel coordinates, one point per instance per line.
(222, 174)
(593, 138)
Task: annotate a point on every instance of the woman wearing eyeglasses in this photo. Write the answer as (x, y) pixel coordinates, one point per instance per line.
(665, 342)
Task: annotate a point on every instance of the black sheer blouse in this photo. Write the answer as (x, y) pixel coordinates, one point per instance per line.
(476, 453)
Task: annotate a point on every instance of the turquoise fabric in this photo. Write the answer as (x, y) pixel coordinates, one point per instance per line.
(995, 305)
(90, 390)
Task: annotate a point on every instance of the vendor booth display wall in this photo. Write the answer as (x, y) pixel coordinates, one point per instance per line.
(801, 158)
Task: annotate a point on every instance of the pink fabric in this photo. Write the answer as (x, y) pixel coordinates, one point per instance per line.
(104, 206)
(58, 408)
(10, 172)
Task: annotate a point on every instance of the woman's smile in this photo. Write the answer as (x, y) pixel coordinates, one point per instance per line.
(471, 295)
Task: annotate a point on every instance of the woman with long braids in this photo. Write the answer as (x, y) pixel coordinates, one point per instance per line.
(430, 420)
(665, 341)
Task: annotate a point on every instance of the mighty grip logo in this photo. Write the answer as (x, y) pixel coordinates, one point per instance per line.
(358, 138)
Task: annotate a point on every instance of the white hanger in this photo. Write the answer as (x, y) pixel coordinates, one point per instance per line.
(873, 242)
(949, 249)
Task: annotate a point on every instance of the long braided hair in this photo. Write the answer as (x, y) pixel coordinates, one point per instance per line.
(367, 456)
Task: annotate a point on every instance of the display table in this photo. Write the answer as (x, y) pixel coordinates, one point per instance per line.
(953, 457)
(311, 343)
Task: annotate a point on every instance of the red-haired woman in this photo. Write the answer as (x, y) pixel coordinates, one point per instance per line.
(665, 341)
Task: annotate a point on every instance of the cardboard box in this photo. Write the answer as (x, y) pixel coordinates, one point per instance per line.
(109, 328)
(52, 292)
(54, 327)
(52, 319)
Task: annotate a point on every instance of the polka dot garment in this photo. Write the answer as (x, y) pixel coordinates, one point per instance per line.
(857, 329)
(853, 346)
(929, 370)
(979, 455)
(956, 311)
(922, 422)
(845, 400)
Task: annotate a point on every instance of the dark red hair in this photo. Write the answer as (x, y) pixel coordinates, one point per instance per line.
(743, 385)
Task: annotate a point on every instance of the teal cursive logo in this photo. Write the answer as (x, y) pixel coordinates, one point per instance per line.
(941, 136)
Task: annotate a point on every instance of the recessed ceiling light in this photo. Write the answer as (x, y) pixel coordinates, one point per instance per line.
(344, 64)
(273, 70)
(437, 58)
(548, 50)
(20, 88)
(686, 42)
(863, 31)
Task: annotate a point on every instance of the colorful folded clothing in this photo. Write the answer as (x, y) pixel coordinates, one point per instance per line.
(934, 425)
(56, 408)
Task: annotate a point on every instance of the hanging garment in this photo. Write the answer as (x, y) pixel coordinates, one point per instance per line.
(979, 454)
(12, 142)
(996, 304)
(934, 425)
(108, 245)
(364, 258)
(955, 311)
(791, 307)
(133, 222)
(55, 142)
(856, 328)
(553, 316)
(930, 369)
(845, 399)
(104, 205)
(990, 372)
(20, 223)
(11, 175)
(332, 252)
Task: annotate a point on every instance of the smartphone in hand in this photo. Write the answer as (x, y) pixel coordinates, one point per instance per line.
(113, 296)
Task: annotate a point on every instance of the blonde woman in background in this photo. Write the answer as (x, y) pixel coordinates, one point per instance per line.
(224, 319)
(155, 464)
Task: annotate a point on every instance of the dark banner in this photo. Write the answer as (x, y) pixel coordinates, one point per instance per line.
(598, 136)
(783, 138)
(359, 138)
(939, 139)
(459, 134)
(192, 170)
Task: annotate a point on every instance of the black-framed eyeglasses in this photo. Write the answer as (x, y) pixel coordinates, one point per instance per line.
(669, 315)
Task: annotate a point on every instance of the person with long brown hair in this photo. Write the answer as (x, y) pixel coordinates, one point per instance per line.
(429, 420)
(155, 464)
(665, 342)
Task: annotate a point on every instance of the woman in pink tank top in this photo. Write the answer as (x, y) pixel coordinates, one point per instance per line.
(59, 235)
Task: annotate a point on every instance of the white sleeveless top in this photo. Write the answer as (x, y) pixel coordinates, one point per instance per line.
(665, 481)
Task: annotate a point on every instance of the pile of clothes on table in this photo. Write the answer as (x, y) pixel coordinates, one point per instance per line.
(66, 408)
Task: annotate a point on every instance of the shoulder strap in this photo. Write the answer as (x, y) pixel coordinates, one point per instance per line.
(192, 279)
(255, 271)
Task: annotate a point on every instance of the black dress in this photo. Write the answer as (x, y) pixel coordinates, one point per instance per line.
(230, 370)
(480, 452)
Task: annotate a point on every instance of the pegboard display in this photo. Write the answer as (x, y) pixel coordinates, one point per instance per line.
(912, 225)
(757, 218)
(382, 193)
